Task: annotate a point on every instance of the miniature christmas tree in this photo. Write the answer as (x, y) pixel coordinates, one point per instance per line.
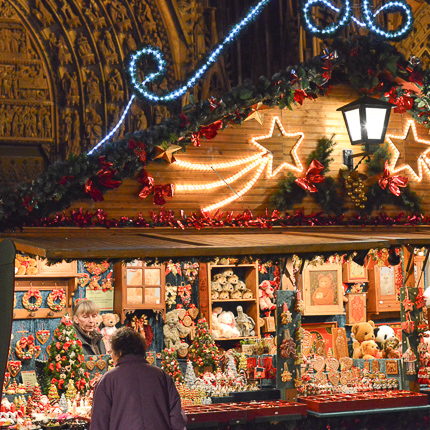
(53, 393)
(66, 360)
(28, 388)
(203, 351)
(30, 406)
(63, 403)
(243, 362)
(35, 395)
(231, 365)
(190, 375)
(170, 365)
(71, 390)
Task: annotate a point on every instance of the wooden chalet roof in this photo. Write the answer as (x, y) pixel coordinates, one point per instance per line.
(125, 243)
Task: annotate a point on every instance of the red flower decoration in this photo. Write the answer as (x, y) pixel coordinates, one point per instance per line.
(139, 149)
(93, 191)
(393, 182)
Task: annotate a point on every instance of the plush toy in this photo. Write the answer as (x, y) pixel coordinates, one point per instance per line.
(233, 280)
(369, 349)
(224, 295)
(228, 287)
(391, 348)
(25, 265)
(382, 334)
(324, 294)
(245, 323)
(357, 288)
(216, 329)
(171, 330)
(247, 294)
(237, 293)
(361, 332)
(266, 296)
(109, 322)
(220, 278)
(227, 325)
(98, 322)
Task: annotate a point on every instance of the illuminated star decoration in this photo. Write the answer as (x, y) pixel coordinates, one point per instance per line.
(166, 152)
(255, 114)
(258, 161)
(423, 161)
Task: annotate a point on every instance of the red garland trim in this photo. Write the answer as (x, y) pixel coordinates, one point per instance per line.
(166, 218)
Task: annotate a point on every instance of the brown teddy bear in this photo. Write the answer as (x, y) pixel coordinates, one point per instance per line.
(369, 349)
(361, 332)
(173, 329)
(25, 265)
(324, 294)
(109, 322)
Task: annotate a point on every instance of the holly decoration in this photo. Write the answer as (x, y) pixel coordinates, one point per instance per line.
(66, 363)
(170, 364)
(203, 351)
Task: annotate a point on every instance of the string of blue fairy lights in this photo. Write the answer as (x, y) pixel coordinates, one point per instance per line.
(345, 17)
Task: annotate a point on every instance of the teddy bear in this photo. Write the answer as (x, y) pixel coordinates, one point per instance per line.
(227, 273)
(247, 294)
(233, 280)
(382, 334)
(237, 293)
(25, 265)
(216, 329)
(109, 322)
(324, 294)
(361, 332)
(171, 330)
(227, 325)
(228, 287)
(220, 278)
(369, 349)
(266, 294)
(391, 348)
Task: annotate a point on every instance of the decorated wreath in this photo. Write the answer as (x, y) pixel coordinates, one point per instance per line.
(26, 300)
(20, 348)
(57, 294)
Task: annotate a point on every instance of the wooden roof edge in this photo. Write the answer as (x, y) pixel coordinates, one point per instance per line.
(210, 251)
(37, 231)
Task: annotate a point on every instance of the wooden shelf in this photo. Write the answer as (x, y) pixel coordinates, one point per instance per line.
(233, 300)
(235, 338)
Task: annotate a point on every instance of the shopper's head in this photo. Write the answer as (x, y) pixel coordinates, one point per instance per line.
(86, 315)
(126, 341)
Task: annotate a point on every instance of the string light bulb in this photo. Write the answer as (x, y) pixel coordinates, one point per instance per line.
(422, 160)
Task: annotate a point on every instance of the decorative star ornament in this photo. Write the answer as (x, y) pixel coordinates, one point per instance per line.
(299, 136)
(410, 140)
(255, 114)
(166, 152)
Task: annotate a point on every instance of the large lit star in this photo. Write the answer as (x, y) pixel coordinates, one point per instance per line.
(410, 141)
(298, 167)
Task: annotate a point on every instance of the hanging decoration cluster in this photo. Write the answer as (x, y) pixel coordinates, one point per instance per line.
(367, 64)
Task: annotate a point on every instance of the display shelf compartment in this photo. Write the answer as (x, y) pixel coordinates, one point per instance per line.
(363, 401)
(243, 411)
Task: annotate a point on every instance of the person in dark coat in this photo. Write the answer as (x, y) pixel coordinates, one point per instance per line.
(85, 319)
(135, 394)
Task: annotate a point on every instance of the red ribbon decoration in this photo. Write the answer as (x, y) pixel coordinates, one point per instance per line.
(139, 149)
(148, 184)
(106, 173)
(211, 130)
(393, 182)
(161, 191)
(312, 176)
(58, 294)
(93, 191)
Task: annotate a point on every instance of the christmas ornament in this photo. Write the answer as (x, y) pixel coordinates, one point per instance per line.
(286, 316)
(37, 351)
(28, 295)
(300, 304)
(96, 269)
(408, 326)
(101, 364)
(255, 113)
(334, 377)
(166, 151)
(22, 345)
(170, 293)
(90, 364)
(193, 311)
(345, 363)
(355, 188)
(14, 367)
(42, 336)
(57, 294)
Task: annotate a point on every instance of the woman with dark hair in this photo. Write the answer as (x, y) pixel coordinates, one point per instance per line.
(134, 394)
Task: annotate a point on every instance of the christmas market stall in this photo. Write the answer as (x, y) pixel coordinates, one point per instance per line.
(282, 278)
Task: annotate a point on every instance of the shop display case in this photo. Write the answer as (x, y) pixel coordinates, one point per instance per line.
(364, 401)
(138, 286)
(242, 412)
(382, 292)
(247, 273)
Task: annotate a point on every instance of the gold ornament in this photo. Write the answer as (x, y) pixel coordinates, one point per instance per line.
(166, 152)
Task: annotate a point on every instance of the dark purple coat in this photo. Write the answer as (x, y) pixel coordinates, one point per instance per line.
(136, 396)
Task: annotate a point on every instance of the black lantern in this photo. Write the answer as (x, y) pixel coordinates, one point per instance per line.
(366, 120)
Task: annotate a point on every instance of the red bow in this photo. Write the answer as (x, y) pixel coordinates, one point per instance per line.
(148, 184)
(106, 173)
(393, 182)
(139, 149)
(58, 294)
(312, 175)
(160, 191)
(93, 191)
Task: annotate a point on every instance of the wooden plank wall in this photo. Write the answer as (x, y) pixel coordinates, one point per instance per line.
(315, 119)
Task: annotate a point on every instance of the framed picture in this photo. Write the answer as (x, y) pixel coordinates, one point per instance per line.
(322, 290)
(353, 272)
(391, 367)
(319, 333)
